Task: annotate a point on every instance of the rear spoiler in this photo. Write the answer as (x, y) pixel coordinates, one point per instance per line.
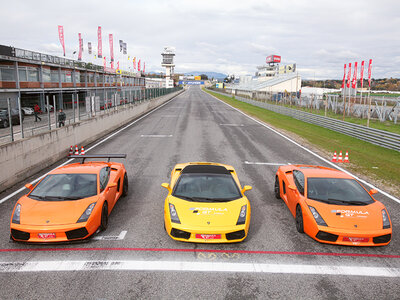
(109, 156)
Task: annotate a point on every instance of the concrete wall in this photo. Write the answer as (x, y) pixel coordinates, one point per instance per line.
(23, 158)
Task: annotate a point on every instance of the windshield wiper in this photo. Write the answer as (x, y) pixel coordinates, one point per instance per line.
(36, 197)
(60, 198)
(345, 202)
(198, 199)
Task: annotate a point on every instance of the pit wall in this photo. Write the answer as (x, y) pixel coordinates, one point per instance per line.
(23, 158)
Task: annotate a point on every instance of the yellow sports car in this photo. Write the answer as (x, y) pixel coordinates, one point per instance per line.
(205, 204)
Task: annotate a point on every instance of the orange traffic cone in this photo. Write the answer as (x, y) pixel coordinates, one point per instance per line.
(82, 151)
(340, 157)
(346, 158)
(71, 151)
(76, 150)
(334, 159)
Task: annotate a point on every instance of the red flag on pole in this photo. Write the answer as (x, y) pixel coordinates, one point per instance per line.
(369, 72)
(344, 76)
(80, 47)
(134, 63)
(138, 65)
(362, 73)
(104, 62)
(99, 43)
(354, 83)
(144, 67)
(110, 39)
(61, 36)
(348, 76)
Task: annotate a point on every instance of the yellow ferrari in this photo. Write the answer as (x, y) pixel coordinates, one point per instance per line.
(206, 204)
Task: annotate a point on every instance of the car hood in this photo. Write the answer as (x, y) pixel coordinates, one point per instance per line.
(364, 217)
(34, 212)
(207, 214)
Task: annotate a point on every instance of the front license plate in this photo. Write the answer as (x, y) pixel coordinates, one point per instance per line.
(46, 235)
(208, 236)
(355, 239)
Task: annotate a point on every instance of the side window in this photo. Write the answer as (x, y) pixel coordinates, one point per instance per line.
(299, 181)
(104, 176)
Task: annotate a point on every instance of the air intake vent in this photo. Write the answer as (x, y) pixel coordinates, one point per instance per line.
(20, 235)
(77, 233)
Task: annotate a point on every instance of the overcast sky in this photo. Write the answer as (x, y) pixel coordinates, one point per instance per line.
(230, 37)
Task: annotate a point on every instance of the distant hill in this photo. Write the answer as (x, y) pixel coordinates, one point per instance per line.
(209, 74)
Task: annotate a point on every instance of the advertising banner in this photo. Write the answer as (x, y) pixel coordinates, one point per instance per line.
(61, 36)
(89, 47)
(134, 63)
(99, 43)
(104, 62)
(138, 65)
(120, 45)
(197, 77)
(354, 83)
(110, 38)
(273, 59)
(80, 47)
(348, 76)
(369, 72)
(124, 48)
(344, 76)
(144, 67)
(362, 74)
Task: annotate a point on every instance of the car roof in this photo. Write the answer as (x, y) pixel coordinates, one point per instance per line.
(318, 171)
(209, 169)
(89, 167)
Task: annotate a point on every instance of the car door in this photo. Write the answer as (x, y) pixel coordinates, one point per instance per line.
(295, 193)
(109, 194)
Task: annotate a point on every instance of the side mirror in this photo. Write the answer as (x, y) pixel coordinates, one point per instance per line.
(166, 185)
(373, 192)
(29, 186)
(246, 188)
(292, 187)
(111, 185)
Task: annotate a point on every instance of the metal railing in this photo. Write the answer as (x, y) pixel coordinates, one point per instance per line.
(375, 136)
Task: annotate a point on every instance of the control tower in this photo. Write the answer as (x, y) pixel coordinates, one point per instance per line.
(168, 63)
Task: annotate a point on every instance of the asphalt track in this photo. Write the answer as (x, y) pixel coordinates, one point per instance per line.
(135, 258)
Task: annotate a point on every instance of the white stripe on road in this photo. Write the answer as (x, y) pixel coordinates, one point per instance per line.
(265, 163)
(156, 135)
(94, 146)
(310, 151)
(177, 266)
(119, 237)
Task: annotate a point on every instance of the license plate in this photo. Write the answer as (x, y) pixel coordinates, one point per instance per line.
(47, 235)
(355, 239)
(208, 236)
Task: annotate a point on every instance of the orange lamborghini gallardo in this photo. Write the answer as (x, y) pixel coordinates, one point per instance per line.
(332, 207)
(71, 202)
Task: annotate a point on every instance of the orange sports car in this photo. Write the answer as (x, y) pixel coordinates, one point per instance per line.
(70, 203)
(332, 207)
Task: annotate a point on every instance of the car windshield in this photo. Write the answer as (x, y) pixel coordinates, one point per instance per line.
(207, 188)
(58, 187)
(339, 191)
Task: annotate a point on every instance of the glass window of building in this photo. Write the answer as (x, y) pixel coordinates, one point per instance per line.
(46, 75)
(7, 73)
(77, 77)
(82, 77)
(22, 74)
(68, 76)
(33, 74)
(54, 76)
(90, 77)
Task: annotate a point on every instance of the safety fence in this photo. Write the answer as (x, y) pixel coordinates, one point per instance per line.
(375, 136)
(12, 129)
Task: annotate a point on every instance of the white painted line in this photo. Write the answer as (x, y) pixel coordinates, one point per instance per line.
(265, 163)
(119, 237)
(182, 266)
(311, 152)
(156, 135)
(233, 125)
(88, 149)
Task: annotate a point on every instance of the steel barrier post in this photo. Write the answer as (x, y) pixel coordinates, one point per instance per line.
(48, 111)
(21, 123)
(10, 119)
(55, 111)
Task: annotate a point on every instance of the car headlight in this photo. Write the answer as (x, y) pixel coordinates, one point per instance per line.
(317, 217)
(173, 214)
(242, 216)
(385, 219)
(85, 216)
(17, 214)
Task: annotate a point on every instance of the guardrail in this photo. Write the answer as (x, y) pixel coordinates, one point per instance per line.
(375, 136)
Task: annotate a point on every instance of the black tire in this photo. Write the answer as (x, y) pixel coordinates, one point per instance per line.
(104, 217)
(5, 123)
(277, 188)
(299, 219)
(125, 185)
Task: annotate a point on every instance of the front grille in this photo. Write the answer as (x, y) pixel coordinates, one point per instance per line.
(20, 235)
(235, 235)
(180, 234)
(77, 233)
(326, 236)
(382, 239)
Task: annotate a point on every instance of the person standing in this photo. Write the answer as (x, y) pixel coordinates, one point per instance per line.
(36, 111)
(61, 118)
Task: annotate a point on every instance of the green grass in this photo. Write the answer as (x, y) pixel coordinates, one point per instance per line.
(377, 163)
